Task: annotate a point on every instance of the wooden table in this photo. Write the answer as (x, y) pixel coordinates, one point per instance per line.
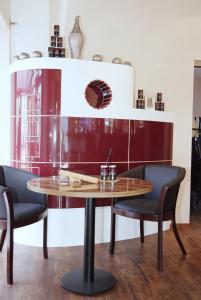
(89, 281)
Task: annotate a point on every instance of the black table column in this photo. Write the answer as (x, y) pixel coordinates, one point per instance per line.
(88, 281)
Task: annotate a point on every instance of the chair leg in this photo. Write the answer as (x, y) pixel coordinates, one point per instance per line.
(112, 233)
(160, 245)
(3, 235)
(10, 255)
(45, 251)
(174, 227)
(142, 231)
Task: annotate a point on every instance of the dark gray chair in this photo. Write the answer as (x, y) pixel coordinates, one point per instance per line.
(19, 207)
(158, 205)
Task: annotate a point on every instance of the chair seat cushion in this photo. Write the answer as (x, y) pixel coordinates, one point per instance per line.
(25, 211)
(139, 205)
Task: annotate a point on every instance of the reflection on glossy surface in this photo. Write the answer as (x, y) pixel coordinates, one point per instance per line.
(120, 188)
(88, 139)
(150, 141)
(36, 138)
(36, 92)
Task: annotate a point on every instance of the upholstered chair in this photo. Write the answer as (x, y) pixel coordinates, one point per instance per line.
(19, 207)
(159, 205)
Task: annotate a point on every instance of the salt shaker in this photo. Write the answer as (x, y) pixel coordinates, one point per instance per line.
(103, 172)
(112, 172)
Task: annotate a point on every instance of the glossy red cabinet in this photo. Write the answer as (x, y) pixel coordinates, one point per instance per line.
(43, 141)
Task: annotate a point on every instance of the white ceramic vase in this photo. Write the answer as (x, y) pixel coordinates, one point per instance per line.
(76, 40)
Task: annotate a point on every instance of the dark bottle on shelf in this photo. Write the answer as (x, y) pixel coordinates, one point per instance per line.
(62, 52)
(59, 42)
(57, 52)
(56, 30)
(159, 104)
(159, 97)
(53, 41)
(51, 51)
(140, 102)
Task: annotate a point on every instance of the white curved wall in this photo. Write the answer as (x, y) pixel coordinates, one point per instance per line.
(66, 228)
(78, 73)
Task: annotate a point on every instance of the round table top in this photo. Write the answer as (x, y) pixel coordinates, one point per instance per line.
(121, 187)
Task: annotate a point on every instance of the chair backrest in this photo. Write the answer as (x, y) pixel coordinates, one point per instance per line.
(164, 176)
(137, 172)
(2, 203)
(16, 181)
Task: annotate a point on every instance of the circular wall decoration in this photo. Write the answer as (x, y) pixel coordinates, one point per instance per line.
(98, 94)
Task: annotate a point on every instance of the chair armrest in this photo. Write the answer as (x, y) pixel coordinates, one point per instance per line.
(169, 192)
(173, 183)
(3, 189)
(7, 197)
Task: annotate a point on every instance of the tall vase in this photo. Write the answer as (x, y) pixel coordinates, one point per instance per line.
(76, 40)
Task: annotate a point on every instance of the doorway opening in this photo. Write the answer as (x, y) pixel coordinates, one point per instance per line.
(196, 143)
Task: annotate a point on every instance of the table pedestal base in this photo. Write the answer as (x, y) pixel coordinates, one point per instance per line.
(73, 281)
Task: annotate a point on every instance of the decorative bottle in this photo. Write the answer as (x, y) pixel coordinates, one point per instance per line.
(159, 104)
(140, 102)
(76, 40)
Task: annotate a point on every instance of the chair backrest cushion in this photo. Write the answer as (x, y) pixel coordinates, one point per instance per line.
(2, 203)
(16, 181)
(137, 172)
(161, 175)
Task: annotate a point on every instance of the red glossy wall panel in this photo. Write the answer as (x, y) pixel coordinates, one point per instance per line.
(150, 141)
(89, 139)
(67, 202)
(36, 138)
(42, 169)
(93, 168)
(13, 94)
(51, 92)
(36, 92)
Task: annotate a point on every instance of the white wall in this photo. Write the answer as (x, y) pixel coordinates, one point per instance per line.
(5, 11)
(5, 92)
(160, 38)
(32, 29)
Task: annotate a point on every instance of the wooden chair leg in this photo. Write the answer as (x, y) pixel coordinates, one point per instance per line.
(3, 236)
(10, 255)
(45, 251)
(112, 233)
(142, 231)
(160, 245)
(174, 227)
